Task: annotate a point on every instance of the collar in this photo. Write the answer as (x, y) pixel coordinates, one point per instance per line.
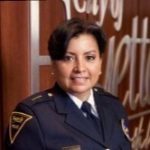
(90, 100)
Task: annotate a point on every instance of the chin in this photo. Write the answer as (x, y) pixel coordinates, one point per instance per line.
(80, 89)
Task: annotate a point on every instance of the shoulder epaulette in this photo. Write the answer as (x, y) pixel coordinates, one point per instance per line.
(37, 98)
(104, 92)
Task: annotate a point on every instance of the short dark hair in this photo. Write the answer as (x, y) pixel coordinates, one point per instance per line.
(61, 36)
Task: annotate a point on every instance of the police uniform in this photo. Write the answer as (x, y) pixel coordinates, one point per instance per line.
(49, 120)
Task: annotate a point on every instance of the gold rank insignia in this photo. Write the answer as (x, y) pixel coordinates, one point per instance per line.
(125, 129)
(17, 122)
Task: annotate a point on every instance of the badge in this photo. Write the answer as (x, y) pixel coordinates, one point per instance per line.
(17, 122)
(125, 129)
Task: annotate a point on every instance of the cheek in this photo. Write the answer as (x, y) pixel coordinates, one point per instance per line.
(62, 71)
(97, 69)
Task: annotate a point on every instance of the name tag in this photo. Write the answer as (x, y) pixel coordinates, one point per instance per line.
(73, 147)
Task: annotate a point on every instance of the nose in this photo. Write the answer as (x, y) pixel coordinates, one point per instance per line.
(80, 65)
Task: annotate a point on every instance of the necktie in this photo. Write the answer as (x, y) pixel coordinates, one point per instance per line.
(94, 121)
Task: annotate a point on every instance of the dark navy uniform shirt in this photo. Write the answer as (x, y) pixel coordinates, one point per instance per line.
(49, 120)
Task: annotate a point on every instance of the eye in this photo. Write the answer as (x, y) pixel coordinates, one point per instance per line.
(68, 58)
(90, 57)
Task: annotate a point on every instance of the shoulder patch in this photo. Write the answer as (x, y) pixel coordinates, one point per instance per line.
(125, 129)
(16, 123)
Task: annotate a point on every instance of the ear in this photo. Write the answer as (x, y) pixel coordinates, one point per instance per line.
(100, 69)
(52, 68)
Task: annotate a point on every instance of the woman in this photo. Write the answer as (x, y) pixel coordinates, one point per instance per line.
(74, 114)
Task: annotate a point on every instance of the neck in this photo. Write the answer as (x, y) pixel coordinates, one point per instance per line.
(82, 96)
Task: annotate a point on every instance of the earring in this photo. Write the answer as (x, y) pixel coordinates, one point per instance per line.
(52, 73)
(100, 73)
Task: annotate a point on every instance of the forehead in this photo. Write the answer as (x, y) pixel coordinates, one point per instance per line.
(83, 42)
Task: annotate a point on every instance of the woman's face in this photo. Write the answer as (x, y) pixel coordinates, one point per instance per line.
(79, 71)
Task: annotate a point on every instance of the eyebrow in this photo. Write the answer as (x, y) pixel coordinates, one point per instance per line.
(87, 52)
